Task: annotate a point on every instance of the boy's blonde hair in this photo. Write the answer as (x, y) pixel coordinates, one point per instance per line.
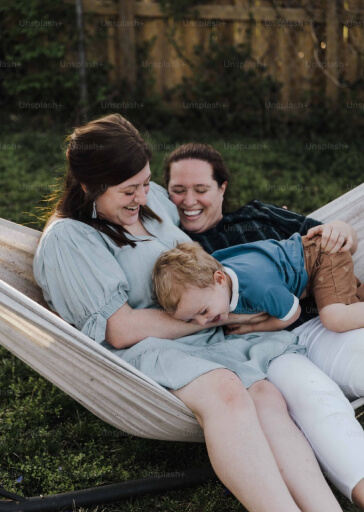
(186, 264)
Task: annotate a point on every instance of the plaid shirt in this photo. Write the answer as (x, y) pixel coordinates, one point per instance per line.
(254, 221)
(258, 221)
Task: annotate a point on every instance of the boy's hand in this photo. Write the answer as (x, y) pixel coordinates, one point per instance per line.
(271, 324)
(337, 236)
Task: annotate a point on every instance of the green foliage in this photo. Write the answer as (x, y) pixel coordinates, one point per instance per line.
(140, 104)
(224, 88)
(40, 63)
(177, 9)
(34, 43)
(31, 164)
(302, 173)
(227, 90)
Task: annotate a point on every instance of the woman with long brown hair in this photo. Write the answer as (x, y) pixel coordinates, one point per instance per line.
(94, 264)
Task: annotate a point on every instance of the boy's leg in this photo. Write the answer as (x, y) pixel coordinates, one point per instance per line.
(334, 286)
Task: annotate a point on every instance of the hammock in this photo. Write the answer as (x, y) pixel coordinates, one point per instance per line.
(106, 385)
(103, 383)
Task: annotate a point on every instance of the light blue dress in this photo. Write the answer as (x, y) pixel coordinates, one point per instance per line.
(86, 278)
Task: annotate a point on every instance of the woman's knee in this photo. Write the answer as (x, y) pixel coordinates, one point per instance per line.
(266, 397)
(215, 392)
(310, 394)
(226, 390)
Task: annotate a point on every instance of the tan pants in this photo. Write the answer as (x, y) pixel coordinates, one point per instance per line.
(331, 277)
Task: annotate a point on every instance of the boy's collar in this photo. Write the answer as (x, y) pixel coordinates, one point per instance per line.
(235, 288)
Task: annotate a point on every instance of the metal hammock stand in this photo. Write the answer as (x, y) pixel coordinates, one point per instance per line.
(106, 493)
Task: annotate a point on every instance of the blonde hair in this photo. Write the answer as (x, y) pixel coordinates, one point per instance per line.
(186, 264)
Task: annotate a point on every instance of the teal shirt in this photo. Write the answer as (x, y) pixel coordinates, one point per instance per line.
(86, 278)
(271, 275)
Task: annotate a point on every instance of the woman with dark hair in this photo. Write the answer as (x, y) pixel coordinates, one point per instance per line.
(202, 161)
(197, 178)
(94, 264)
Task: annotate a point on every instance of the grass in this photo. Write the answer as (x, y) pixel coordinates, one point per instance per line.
(292, 172)
(48, 442)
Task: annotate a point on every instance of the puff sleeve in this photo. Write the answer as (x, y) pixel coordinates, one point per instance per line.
(80, 277)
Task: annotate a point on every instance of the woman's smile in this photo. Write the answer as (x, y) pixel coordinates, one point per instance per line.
(196, 194)
(192, 214)
(121, 203)
(133, 210)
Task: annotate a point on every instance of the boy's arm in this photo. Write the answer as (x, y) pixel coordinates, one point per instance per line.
(271, 324)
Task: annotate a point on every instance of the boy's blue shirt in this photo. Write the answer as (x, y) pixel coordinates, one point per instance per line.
(270, 273)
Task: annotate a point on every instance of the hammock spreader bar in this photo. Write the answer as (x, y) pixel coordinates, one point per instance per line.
(109, 493)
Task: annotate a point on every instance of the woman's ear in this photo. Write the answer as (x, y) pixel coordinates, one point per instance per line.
(84, 188)
(223, 187)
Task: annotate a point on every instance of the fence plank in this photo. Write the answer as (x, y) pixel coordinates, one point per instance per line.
(111, 53)
(280, 38)
(208, 12)
(126, 40)
(332, 34)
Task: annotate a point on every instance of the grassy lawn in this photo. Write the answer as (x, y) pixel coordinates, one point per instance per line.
(302, 174)
(49, 443)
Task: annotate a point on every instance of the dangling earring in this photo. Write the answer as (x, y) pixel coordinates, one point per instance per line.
(94, 212)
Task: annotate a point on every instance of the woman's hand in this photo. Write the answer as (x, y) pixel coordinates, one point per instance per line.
(337, 236)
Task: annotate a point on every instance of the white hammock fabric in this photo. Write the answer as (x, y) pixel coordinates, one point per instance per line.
(103, 383)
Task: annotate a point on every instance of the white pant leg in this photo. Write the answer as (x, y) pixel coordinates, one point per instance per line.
(339, 355)
(325, 416)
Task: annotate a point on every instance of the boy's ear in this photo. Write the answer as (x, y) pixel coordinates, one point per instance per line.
(219, 277)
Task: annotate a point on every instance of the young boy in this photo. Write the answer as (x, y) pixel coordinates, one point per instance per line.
(267, 276)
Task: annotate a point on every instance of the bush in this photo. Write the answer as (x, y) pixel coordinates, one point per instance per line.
(227, 90)
(33, 43)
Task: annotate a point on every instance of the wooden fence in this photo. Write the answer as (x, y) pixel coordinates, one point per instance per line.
(304, 48)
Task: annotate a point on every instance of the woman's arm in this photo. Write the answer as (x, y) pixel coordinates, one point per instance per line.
(271, 324)
(337, 236)
(128, 326)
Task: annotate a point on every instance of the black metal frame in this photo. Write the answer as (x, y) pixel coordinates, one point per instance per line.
(106, 493)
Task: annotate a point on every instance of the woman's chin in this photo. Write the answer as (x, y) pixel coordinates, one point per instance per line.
(194, 225)
(128, 221)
